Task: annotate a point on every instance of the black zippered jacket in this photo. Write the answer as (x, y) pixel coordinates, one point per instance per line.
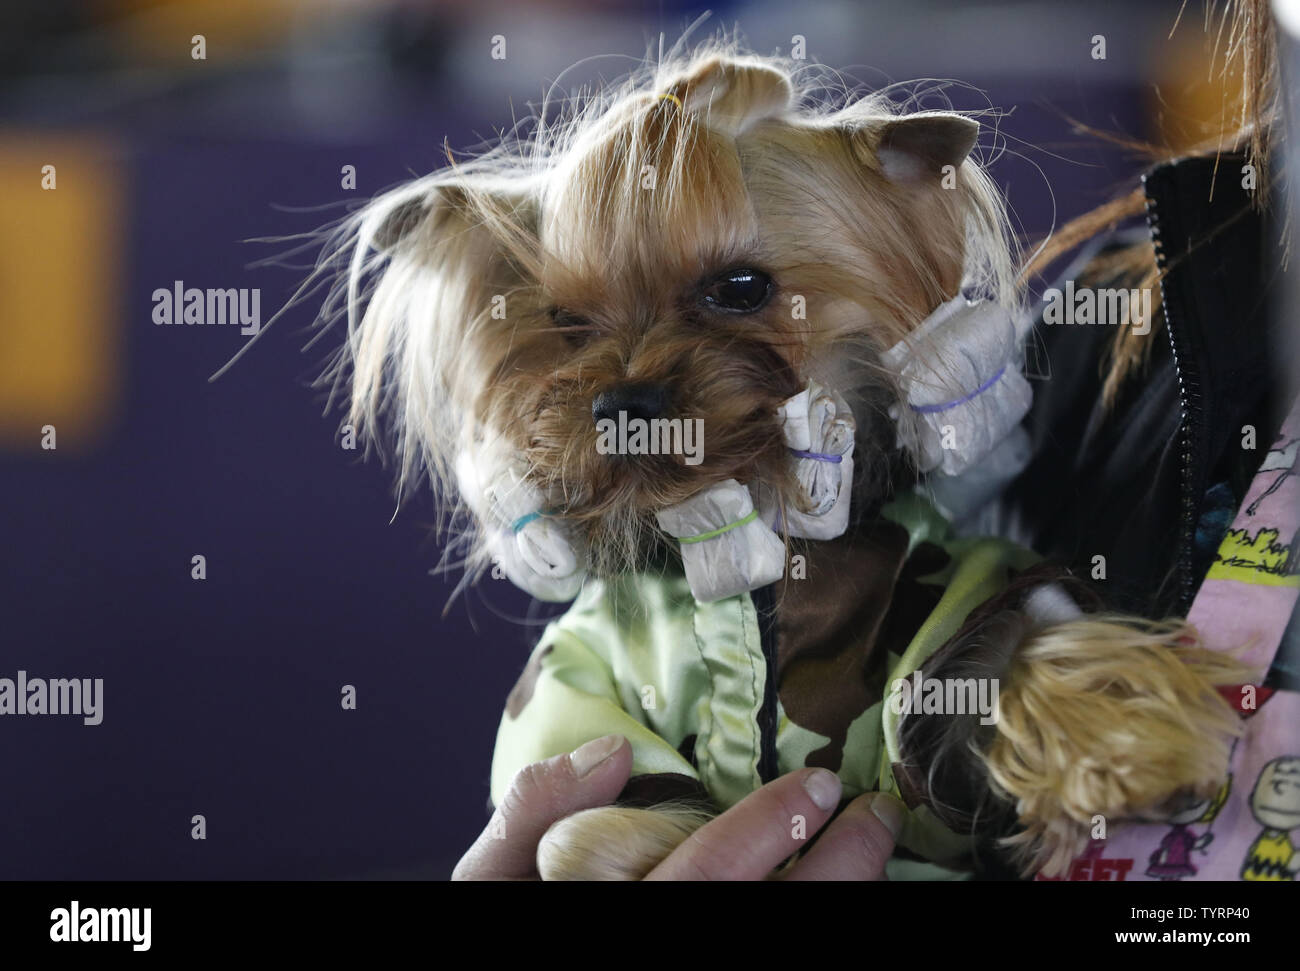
(1152, 483)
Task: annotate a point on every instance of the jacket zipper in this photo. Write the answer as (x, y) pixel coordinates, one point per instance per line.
(765, 607)
(1190, 406)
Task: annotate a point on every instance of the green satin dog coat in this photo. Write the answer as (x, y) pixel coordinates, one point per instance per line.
(686, 682)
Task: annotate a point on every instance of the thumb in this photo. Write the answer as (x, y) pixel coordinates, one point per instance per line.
(539, 795)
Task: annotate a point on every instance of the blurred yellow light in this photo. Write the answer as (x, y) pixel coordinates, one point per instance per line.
(60, 273)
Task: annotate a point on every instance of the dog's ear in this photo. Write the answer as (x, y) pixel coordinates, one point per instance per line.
(429, 265)
(916, 148)
(402, 220)
(483, 220)
(732, 94)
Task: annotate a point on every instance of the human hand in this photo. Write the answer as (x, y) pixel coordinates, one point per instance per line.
(745, 843)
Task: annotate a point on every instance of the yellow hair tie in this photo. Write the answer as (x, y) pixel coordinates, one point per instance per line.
(671, 97)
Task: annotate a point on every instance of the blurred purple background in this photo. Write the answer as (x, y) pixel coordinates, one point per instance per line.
(222, 697)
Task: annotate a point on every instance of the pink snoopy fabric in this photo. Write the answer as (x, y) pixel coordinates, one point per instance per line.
(1250, 830)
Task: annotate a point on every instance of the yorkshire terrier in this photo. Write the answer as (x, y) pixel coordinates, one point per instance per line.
(683, 354)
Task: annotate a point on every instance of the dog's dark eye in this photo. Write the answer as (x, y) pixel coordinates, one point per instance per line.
(576, 329)
(739, 291)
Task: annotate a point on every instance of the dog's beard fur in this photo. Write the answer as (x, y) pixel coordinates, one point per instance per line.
(733, 380)
(637, 207)
(733, 387)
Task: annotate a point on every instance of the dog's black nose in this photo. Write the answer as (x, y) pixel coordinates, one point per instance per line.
(639, 400)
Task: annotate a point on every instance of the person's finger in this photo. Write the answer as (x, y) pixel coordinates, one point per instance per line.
(592, 775)
(753, 836)
(857, 844)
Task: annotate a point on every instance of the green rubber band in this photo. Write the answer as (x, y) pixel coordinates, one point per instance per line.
(719, 531)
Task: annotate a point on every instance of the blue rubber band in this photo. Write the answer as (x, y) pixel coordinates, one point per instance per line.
(817, 456)
(523, 521)
(945, 406)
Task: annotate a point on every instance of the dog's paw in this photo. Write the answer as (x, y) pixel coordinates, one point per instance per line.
(614, 842)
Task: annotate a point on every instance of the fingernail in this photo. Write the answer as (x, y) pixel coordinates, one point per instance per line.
(889, 811)
(587, 757)
(823, 788)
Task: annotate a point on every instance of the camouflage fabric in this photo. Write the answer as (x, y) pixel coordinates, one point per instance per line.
(685, 681)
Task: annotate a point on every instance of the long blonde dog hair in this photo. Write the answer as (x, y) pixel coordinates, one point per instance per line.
(1101, 719)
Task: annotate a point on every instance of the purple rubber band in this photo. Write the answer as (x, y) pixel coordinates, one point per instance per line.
(932, 409)
(817, 456)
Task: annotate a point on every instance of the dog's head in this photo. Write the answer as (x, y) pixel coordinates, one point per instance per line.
(694, 246)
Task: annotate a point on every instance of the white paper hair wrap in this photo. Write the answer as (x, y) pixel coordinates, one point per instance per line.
(818, 428)
(726, 548)
(959, 370)
(533, 549)
(1049, 604)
